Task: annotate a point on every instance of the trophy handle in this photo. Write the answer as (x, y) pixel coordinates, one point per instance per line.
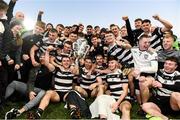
(87, 47)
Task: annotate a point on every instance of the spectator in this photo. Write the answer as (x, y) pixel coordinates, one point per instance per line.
(4, 40)
(88, 35)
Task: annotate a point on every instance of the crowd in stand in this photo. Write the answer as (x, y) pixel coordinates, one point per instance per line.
(114, 66)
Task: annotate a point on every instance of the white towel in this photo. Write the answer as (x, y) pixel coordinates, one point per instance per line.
(102, 105)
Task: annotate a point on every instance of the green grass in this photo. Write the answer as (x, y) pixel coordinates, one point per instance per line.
(57, 111)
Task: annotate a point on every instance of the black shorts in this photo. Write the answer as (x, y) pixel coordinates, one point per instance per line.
(136, 81)
(147, 74)
(164, 104)
(61, 95)
(88, 92)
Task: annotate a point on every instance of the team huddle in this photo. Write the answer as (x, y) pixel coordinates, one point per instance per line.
(113, 66)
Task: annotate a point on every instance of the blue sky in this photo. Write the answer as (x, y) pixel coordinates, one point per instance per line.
(100, 12)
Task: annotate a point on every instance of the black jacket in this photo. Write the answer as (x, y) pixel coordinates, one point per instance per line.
(5, 39)
(132, 34)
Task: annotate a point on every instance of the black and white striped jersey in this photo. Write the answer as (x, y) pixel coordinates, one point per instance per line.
(86, 80)
(170, 83)
(156, 39)
(124, 56)
(43, 44)
(63, 80)
(101, 75)
(115, 82)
